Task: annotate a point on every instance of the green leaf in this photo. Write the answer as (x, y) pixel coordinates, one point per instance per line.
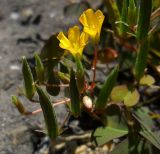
(118, 93)
(114, 117)
(106, 89)
(147, 125)
(124, 14)
(75, 97)
(153, 137)
(156, 3)
(18, 104)
(142, 115)
(114, 14)
(28, 79)
(132, 13)
(64, 77)
(53, 83)
(141, 59)
(125, 147)
(115, 126)
(49, 113)
(121, 148)
(132, 98)
(105, 134)
(39, 68)
(51, 49)
(147, 80)
(144, 19)
(51, 54)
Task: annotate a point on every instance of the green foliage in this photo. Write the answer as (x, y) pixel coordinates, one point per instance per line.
(105, 134)
(80, 75)
(147, 80)
(132, 13)
(144, 19)
(128, 50)
(74, 93)
(18, 104)
(28, 79)
(49, 113)
(118, 93)
(115, 126)
(131, 98)
(106, 89)
(141, 59)
(39, 68)
(114, 14)
(124, 17)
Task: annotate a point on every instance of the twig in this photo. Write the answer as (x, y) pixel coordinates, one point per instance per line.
(54, 104)
(56, 85)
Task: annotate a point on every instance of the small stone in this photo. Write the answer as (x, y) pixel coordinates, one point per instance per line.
(27, 12)
(14, 67)
(81, 149)
(52, 14)
(87, 102)
(14, 16)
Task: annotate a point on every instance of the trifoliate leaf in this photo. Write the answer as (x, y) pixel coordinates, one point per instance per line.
(147, 80)
(118, 93)
(131, 98)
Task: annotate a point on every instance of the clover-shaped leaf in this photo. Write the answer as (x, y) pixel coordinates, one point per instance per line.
(118, 93)
(132, 98)
(147, 80)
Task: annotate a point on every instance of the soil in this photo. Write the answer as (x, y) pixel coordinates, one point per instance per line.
(24, 26)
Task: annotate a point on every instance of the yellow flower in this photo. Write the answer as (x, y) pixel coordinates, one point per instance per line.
(75, 42)
(92, 23)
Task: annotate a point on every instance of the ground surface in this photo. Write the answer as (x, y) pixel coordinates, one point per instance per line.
(23, 27)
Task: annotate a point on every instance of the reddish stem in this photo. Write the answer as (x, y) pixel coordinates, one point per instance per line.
(55, 104)
(56, 85)
(94, 66)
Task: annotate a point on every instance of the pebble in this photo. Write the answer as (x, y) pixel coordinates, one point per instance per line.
(14, 67)
(52, 14)
(14, 16)
(27, 12)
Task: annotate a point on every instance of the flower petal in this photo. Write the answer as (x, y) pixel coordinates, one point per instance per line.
(86, 18)
(91, 32)
(64, 42)
(99, 19)
(83, 39)
(74, 34)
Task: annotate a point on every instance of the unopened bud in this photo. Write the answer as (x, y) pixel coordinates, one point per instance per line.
(18, 104)
(87, 102)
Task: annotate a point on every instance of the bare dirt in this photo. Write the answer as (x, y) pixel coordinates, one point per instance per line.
(24, 25)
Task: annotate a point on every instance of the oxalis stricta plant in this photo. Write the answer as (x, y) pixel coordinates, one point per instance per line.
(120, 103)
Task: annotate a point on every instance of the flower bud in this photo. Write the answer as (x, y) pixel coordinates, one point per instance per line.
(87, 102)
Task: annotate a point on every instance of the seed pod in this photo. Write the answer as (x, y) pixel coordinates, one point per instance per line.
(87, 102)
(18, 104)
